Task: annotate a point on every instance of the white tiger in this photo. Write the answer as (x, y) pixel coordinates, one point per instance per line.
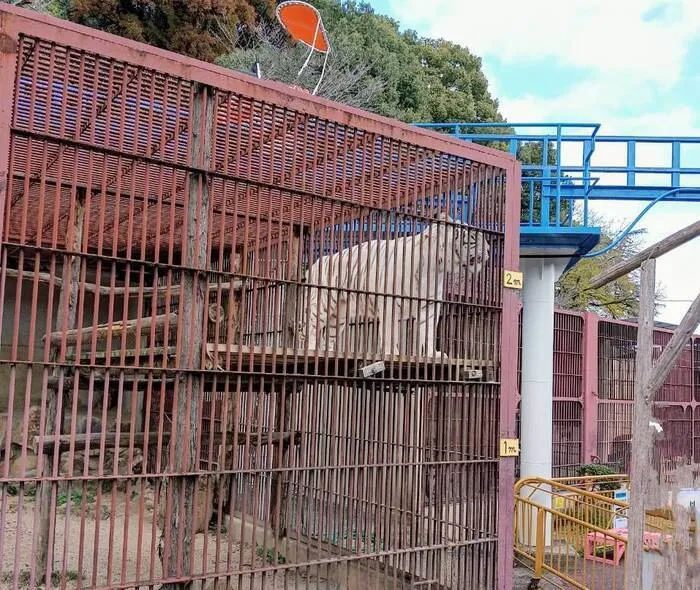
(372, 280)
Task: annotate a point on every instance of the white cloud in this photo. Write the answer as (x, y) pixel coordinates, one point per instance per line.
(628, 65)
(677, 270)
(603, 35)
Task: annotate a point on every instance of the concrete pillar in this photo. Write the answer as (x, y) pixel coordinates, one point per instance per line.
(539, 277)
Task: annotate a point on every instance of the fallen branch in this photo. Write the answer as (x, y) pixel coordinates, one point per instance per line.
(134, 290)
(110, 330)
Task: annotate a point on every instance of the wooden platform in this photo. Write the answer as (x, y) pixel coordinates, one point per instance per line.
(245, 363)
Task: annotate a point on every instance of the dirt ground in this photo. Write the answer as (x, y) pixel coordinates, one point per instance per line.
(117, 551)
(596, 575)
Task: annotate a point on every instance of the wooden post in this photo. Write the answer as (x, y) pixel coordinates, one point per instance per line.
(641, 433)
(283, 397)
(177, 557)
(648, 379)
(65, 320)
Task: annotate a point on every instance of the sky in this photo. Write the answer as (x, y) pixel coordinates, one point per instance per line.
(631, 65)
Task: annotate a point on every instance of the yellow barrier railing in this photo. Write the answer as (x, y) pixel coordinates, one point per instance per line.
(561, 557)
(564, 531)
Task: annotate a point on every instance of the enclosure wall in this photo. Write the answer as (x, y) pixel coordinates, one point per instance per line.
(594, 366)
(247, 336)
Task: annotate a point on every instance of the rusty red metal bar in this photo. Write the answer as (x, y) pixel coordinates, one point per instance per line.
(174, 209)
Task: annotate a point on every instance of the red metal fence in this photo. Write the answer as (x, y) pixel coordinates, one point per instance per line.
(675, 405)
(166, 418)
(593, 385)
(568, 390)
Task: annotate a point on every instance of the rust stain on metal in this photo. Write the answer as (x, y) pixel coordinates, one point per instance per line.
(188, 262)
(7, 44)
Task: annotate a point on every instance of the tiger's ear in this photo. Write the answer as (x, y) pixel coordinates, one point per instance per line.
(443, 216)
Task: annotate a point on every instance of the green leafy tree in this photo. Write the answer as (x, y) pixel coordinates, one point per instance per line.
(58, 8)
(347, 78)
(619, 299)
(391, 73)
(188, 27)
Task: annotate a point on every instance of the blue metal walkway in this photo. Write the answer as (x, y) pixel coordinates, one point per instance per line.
(560, 176)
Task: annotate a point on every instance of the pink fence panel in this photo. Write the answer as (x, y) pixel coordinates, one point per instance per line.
(674, 407)
(567, 410)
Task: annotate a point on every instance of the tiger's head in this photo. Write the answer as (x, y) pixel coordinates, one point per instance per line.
(460, 248)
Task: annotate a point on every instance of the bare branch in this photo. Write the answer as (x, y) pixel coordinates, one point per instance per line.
(346, 79)
(666, 245)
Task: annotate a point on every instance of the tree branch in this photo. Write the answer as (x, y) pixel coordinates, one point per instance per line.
(666, 245)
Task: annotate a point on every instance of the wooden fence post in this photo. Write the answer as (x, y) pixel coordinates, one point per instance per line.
(641, 433)
(65, 320)
(283, 396)
(178, 555)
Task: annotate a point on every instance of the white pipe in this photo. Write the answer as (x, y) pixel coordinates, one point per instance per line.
(313, 47)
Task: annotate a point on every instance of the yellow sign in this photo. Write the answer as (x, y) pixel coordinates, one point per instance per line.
(512, 279)
(510, 447)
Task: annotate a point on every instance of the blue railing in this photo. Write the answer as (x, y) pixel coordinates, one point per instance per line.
(561, 174)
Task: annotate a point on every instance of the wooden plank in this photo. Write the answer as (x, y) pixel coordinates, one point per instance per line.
(126, 376)
(145, 352)
(47, 444)
(273, 354)
(65, 320)
(641, 433)
(666, 245)
(113, 330)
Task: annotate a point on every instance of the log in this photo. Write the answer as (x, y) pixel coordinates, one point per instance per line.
(236, 285)
(641, 435)
(28, 275)
(666, 245)
(177, 537)
(115, 329)
(65, 320)
(669, 356)
(47, 444)
(45, 277)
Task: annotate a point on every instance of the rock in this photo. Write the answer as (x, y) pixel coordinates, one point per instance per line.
(23, 466)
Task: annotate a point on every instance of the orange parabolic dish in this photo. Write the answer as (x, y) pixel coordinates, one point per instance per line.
(303, 22)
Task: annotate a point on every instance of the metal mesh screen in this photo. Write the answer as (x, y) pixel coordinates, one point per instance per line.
(673, 408)
(567, 392)
(196, 385)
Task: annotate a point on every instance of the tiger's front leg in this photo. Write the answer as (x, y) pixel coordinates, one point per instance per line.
(426, 331)
(390, 326)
